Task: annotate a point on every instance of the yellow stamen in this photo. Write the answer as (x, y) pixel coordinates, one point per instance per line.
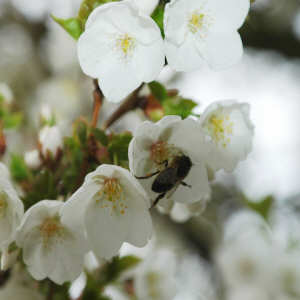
(196, 22)
(126, 43)
(220, 128)
(111, 194)
(51, 228)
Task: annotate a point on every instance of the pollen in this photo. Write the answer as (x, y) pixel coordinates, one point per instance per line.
(111, 195)
(196, 22)
(161, 152)
(51, 228)
(3, 204)
(126, 43)
(221, 129)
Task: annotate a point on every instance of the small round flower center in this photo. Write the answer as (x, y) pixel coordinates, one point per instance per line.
(3, 204)
(126, 43)
(111, 194)
(196, 22)
(51, 228)
(161, 151)
(220, 128)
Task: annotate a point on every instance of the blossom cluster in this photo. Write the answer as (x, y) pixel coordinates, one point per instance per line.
(171, 164)
(121, 41)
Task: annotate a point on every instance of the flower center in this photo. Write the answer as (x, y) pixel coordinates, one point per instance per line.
(161, 151)
(51, 228)
(196, 22)
(3, 204)
(111, 194)
(220, 128)
(126, 43)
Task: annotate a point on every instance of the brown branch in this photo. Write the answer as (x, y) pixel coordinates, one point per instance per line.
(131, 103)
(2, 140)
(98, 99)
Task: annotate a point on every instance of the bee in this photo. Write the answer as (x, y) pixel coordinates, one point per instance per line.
(171, 177)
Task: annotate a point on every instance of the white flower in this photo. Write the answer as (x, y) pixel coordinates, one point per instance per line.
(51, 140)
(229, 131)
(146, 6)
(155, 277)
(121, 48)
(157, 146)
(112, 208)
(6, 93)
(199, 31)
(51, 248)
(11, 209)
(32, 159)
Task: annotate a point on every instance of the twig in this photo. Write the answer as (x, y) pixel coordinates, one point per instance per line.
(98, 98)
(132, 102)
(2, 140)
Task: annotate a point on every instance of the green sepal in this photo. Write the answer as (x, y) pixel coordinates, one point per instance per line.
(18, 168)
(73, 26)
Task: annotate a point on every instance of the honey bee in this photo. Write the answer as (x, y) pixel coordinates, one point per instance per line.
(171, 177)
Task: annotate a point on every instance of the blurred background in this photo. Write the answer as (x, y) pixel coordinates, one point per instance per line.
(38, 61)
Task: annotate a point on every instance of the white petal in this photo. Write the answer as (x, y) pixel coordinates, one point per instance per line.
(126, 18)
(230, 14)
(200, 189)
(221, 50)
(149, 60)
(240, 141)
(175, 21)
(105, 231)
(184, 58)
(94, 49)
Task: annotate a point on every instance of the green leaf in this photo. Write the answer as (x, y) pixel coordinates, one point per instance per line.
(18, 168)
(73, 26)
(158, 90)
(262, 207)
(118, 146)
(179, 106)
(100, 136)
(12, 120)
(114, 269)
(82, 131)
(158, 17)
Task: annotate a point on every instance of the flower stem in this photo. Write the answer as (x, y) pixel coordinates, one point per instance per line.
(98, 99)
(131, 103)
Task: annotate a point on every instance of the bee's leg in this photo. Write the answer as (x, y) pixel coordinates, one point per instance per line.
(160, 196)
(185, 184)
(147, 176)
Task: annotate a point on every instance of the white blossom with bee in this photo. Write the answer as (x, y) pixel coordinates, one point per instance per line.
(160, 150)
(51, 248)
(229, 131)
(204, 31)
(122, 44)
(111, 208)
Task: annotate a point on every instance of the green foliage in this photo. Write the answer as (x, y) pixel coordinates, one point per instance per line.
(158, 17)
(18, 168)
(262, 207)
(158, 91)
(8, 118)
(171, 104)
(179, 106)
(114, 269)
(73, 26)
(118, 148)
(100, 136)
